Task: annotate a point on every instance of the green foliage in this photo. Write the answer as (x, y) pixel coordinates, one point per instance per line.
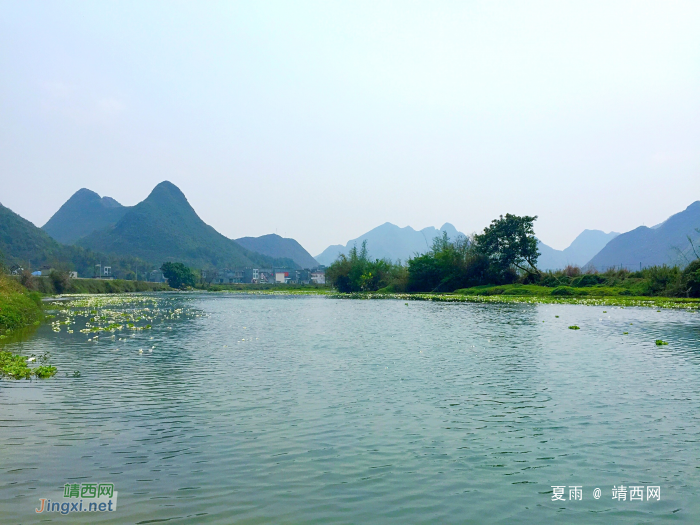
(563, 290)
(178, 275)
(448, 266)
(690, 280)
(574, 327)
(356, 272)
(17, 367)
(509, 242)
(587, 280)
(60, 280)
(660, 342)
(18, 308)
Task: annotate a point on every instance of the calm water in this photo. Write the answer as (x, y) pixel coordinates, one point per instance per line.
(260, 409)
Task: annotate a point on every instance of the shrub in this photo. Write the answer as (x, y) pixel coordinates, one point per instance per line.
(60, 280)
(549, 281)
(572, 271)
(588, 279)
(563, 290)
(27, 280)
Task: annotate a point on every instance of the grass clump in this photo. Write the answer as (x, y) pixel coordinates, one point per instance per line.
(574, 327)
(660, 342)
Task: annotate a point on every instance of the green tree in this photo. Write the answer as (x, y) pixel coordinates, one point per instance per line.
(690, 279)
(509, 242)
(178, 275)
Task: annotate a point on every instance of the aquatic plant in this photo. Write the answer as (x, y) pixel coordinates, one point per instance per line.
(17, 366)
(574, 327)
(660, 342)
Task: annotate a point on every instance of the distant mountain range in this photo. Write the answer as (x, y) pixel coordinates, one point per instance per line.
(273, 245)
(665, 243)
(389, 241)
(579, 252)
(82, 214)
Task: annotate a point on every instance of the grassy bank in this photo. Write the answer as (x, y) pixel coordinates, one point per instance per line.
(18, 307)
(47, 286)
(248, 287)
(533, 290)
(590, 300)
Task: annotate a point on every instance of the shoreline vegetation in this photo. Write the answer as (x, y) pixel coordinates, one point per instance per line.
(20, 309)
(502, 261)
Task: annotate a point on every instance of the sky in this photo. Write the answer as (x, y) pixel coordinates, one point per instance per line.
(322, 120)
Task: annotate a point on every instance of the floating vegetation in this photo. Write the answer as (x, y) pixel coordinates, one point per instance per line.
(17, 366)
(574, 327)
(621, 301)
(660, 342)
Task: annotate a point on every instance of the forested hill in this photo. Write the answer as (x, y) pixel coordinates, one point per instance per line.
(82, 214)
(164, 227)
(23, 244)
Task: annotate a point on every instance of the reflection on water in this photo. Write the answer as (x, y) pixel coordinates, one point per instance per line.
(254, 409)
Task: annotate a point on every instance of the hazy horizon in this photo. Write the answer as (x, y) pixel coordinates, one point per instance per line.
(322, 121)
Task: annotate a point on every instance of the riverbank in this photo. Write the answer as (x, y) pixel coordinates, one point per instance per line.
(495, 297)
(609, 300)
(44, 285)
(19, 308)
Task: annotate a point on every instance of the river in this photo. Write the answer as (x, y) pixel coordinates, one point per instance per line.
(236, 408)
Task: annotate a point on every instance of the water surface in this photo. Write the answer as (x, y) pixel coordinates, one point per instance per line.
(272, 409)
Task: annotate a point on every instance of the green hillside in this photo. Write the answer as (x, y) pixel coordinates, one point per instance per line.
(164, 227)
(82, 214)
(22, 243)
(25, 245)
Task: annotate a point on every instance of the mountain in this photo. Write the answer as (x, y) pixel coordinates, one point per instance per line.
(23, 244)
(164, 227)
(273, 245)
(390, 242)
(665, 243)
(579, 252)
(82, 214)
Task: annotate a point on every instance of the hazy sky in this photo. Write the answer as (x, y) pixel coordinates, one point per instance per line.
(320, 121)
